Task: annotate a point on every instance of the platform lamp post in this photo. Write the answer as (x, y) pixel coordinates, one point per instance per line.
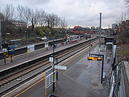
(53, 66)
(26, 35)
(0, 35)
(102, 68)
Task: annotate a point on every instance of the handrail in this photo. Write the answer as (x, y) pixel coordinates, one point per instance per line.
(112, 86)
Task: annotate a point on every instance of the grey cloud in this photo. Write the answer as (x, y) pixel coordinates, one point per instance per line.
(35, 2)
(78, 12)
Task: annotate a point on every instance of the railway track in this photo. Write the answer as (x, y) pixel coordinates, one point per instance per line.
(24, 74)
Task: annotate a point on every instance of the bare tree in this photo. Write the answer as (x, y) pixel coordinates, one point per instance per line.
(41, 19)
(1, 16)
(52, 20)
(63, 23)
(57, 21)
(25, 14)
(8, 16)
(20, 12)
(36, 16)
(47, 20)
(9, 12)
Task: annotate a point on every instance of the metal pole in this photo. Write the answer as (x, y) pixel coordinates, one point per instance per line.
(100, 28)
(102, 68)
(100, 20)
(0, 36)
(57, 75)
(89, 50)
(27, 35)
(53, 68)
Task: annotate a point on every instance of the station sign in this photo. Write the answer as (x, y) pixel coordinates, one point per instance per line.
(30, 48)
(46, 44)
(95, 58)
(60, 67)
(51, 59)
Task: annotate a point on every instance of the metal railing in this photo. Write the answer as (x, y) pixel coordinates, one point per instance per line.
(117, 82)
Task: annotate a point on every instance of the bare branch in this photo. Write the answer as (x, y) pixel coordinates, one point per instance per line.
(8, 12)
(25, 14)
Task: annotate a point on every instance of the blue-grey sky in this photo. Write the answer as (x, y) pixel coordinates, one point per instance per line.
(78, 12)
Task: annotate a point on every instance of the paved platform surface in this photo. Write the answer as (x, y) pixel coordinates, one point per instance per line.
(29, 56)
(81, 79)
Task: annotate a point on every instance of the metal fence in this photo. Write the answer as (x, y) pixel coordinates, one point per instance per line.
(117, 82)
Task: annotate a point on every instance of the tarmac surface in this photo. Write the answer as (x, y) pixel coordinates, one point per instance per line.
(81, 79)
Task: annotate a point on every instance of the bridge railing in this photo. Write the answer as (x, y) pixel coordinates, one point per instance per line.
(119, 84)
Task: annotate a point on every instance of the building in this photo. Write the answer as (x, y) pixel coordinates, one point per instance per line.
(114, 26)
(82, 30)
(124, 26)
(19, 24)
(114, 29)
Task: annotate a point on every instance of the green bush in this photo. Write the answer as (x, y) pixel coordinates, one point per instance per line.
(50, 32)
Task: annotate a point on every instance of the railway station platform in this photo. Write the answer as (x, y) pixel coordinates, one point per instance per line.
(81, 79)
(25, 57)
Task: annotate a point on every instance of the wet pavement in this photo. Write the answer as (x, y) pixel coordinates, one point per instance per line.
(81, 79)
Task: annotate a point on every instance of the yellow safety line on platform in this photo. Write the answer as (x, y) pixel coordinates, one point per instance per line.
(30, 86)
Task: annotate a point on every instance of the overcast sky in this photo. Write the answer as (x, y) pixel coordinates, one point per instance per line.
(78, 12)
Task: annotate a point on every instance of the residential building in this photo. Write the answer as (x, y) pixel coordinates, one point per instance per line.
(19, 24)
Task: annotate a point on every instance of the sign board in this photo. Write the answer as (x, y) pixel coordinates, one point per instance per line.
(46, 44)
(60, 67)
(30, 48)
(94, 58)
(4, 50)
(51, 59)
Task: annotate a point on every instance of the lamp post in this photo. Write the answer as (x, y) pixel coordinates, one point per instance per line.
(0, 36)
(53, 66)
(26, 32)
(26, 36)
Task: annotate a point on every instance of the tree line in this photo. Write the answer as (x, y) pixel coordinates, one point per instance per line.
(123, 25)
(38, 20)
